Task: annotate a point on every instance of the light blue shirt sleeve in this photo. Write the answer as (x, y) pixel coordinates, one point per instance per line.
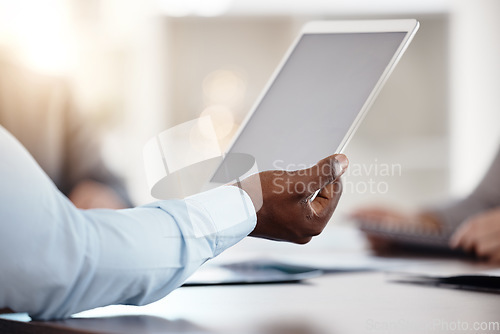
(56, 260)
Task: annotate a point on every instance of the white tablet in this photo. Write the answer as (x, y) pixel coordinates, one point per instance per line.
(317, 96)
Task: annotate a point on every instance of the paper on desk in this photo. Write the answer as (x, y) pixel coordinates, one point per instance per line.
(492, 272)
(290, 268)
(344, 262)
(328, 263)
(249, 273)
(484, 281)
(338, 249)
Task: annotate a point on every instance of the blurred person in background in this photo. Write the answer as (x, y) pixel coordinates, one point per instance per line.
(473, 222)
(40, 112)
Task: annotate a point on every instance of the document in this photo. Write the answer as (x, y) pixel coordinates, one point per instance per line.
(485, 281)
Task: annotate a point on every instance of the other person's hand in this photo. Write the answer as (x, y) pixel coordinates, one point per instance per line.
(480, 234)
(390, 219)
(287, 212)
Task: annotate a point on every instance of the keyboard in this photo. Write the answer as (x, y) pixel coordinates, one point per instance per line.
(410, 236)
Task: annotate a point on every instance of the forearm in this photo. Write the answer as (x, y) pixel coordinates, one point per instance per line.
(100, 257)
(56, 260)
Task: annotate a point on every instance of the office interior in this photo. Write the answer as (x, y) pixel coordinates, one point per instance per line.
(138, 68)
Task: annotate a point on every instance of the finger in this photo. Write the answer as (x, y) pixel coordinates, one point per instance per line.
(484, 227)
(470, 229)
(468, 242)
(330, 191)
(461, 234)
(488, 246)
(371, 210)
(302, 241)
(495, 258)
(376, 214)
(326, 171)
(364, 213)
(322, 208)
(379, 244)
(326, 202)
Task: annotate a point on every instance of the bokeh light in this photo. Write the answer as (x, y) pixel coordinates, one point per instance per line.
(224, 87)
(194, 7)
(222, 120)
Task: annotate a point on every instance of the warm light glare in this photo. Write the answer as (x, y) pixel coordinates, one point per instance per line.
(223, 93)
(203, 138)
(224, 87)
(194, 7)
(39, 31)
(222, 120)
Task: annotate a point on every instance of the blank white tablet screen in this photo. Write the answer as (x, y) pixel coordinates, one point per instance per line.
(315, 98)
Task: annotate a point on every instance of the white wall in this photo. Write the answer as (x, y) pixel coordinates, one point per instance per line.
(406, 128)
(475, 90)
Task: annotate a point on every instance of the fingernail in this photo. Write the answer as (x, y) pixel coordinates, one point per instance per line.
(342, 161)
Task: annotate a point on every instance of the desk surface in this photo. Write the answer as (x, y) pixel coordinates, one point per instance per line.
(362, 302)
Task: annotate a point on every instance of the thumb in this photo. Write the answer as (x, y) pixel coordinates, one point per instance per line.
(326, 171)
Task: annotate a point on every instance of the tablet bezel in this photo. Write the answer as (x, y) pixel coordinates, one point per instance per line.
(408, 26)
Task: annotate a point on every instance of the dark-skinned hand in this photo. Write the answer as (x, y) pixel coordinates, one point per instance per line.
(283, 203)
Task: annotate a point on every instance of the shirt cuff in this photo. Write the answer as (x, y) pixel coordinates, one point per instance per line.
(230, 212)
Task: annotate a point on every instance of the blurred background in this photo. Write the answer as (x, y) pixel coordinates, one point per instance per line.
(136, 68)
